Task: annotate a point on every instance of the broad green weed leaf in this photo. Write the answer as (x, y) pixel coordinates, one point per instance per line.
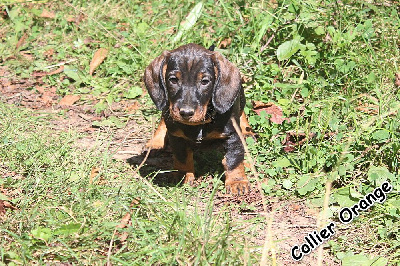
(340, 255)
(100, 106)
(343, 197)
(287, 184)
(358, 259)
(355, 194)
(394, 203)
(112, 121)
(342, 170)
(378, 175)
(303, 179)
(116, 122)
(344, 67)
(371, 77)
(334, 123)
(42, 233)
(268, 186)
(68, 229)
(3, 197)
(250, 141)
(103, 123)
(381, 135)
(381, 261)
(287, 49)
(366, 29)
(133, 92)
(73, 73)
(308, 187)
(309, 53)
(319, 30)
(142, 28)
(363, 260)
(304, 92)
(282, 162)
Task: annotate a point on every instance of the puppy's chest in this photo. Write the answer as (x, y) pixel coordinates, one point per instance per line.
(199, 134)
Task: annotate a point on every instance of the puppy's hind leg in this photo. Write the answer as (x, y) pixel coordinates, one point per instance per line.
(236, 182)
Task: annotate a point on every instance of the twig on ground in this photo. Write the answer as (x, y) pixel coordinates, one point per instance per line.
(61, 64)
(110, 248)
(322, 219)
(268, 244)
(267, 43)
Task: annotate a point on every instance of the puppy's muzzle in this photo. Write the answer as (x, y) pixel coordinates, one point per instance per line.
(186, 112)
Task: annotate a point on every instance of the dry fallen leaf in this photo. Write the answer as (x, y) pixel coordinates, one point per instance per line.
(225, 43)
(47, 14)
(327, 38)
(42, 74)
(271, 109)
(295, 139)
(2, 209)
(295, 207)
(368, 108)
(27, 54)
(49, 52)
(76, 19)
(132, 108)
(21, 41)
(5, 204)
(57, 71)
(124, 236)
(273, 4)
(93, 173)
(135, 202)
(40, 89)
(3, 13)
(98, 58)
(38, 74)
(397, 82)
(69, 100)
(124, 221)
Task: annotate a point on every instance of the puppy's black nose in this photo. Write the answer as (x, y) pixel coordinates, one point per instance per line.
(186, 112)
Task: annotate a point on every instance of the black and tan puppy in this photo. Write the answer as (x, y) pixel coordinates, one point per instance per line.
(199, 91)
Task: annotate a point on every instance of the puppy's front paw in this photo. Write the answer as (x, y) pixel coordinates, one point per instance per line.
(237, 186)
(189, 179)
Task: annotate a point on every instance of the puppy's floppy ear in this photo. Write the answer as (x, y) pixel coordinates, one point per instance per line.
(227, 85)
(154, 79)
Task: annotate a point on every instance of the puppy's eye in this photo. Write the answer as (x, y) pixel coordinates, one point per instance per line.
(205, 81)
(173, 80)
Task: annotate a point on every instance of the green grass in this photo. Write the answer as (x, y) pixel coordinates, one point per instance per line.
(63, 216)
(324, 64)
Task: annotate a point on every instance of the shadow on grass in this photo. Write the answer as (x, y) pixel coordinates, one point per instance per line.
(206, 162)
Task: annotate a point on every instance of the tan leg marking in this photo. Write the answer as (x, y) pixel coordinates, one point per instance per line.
(158, 140)
(236, 181)
(244, 126)
(187, 167)
(216, 135)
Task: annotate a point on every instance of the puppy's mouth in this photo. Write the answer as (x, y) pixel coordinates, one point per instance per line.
(192, 117)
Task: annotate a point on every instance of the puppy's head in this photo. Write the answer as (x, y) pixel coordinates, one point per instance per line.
(191, 79)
